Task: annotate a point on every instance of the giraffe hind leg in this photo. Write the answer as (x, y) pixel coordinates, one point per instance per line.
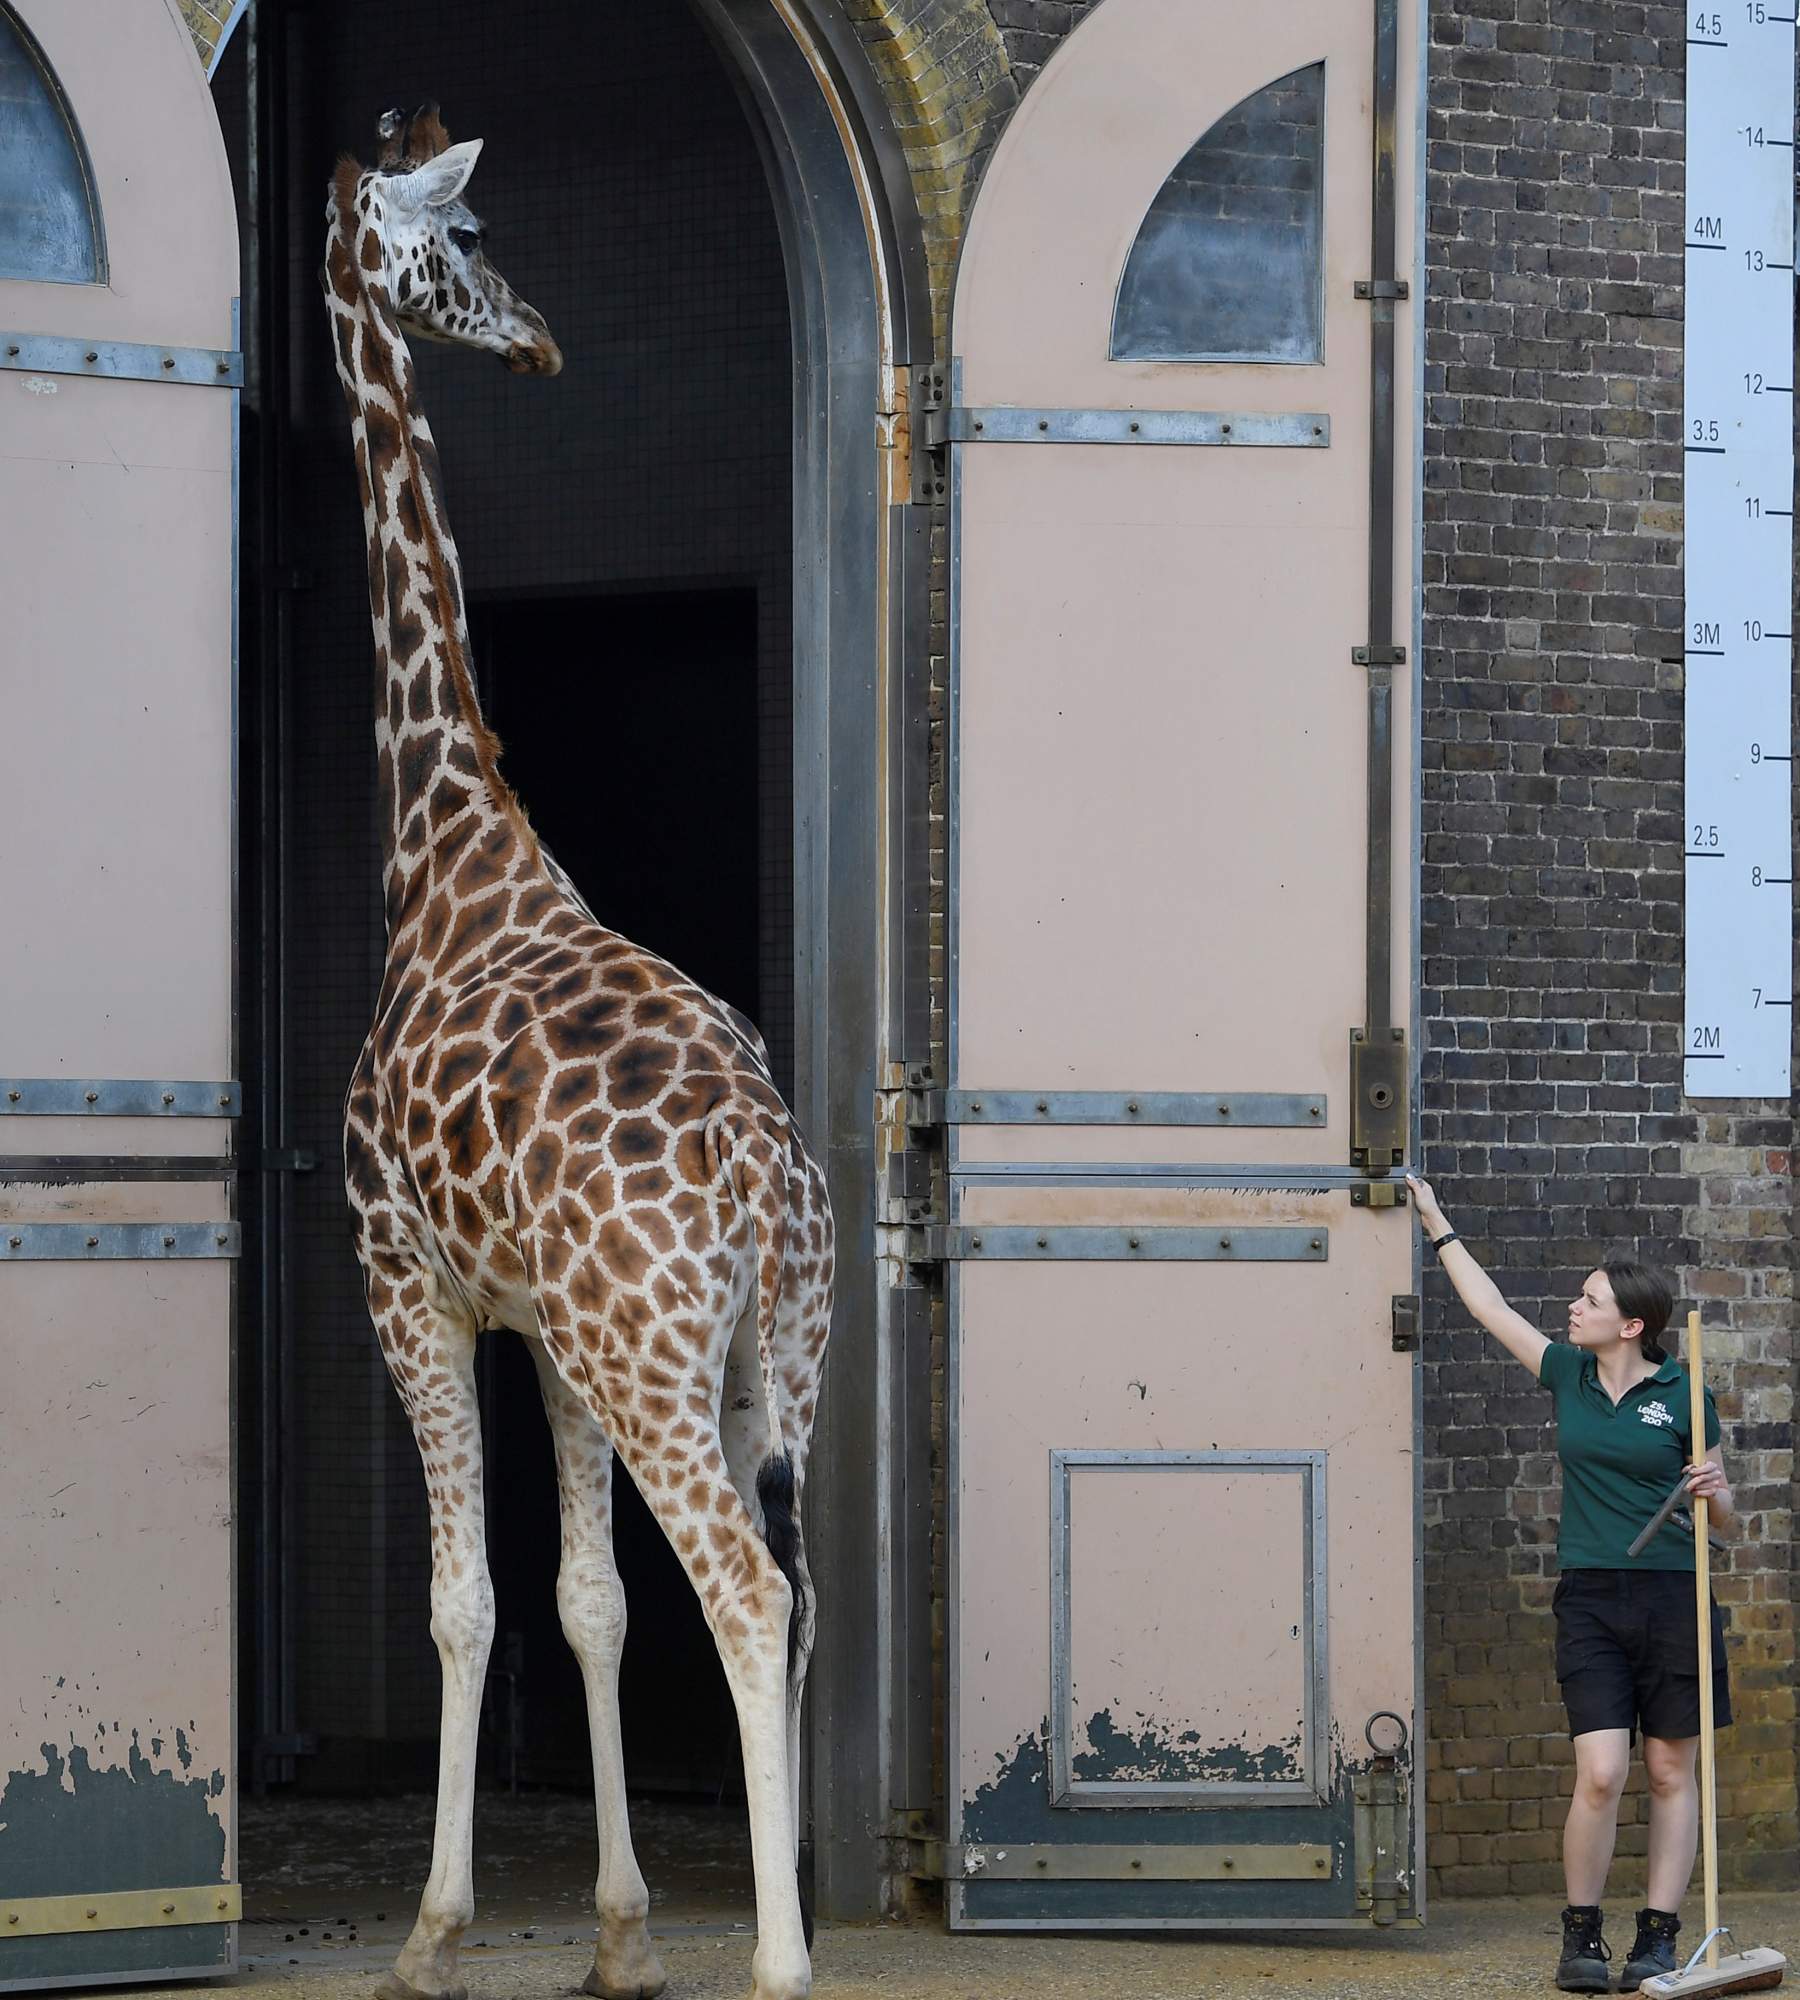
(592, 1603)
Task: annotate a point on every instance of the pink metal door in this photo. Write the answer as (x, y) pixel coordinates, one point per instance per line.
(118, 373)
(1183, 1407)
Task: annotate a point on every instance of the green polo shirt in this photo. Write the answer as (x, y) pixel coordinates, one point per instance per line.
(1619, 1461)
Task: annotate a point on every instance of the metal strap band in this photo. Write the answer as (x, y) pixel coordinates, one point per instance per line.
(97, 1169)
(117, 1097)
(119, 1910)
(986, 1242)
(129, 1242)
(1141, 1107)
(1143, 1862)
(123, 360)
(1000, 424)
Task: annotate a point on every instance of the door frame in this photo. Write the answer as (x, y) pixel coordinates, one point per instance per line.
(860, 306)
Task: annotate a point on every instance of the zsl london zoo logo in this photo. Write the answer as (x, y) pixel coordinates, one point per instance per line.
(1656, 1413)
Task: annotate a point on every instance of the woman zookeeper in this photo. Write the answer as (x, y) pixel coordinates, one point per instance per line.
(1626, 1651)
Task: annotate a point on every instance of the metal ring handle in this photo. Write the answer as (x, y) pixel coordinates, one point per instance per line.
(1399, 1722)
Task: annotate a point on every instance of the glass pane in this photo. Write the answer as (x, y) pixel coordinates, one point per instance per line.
(47, 210)
(1226, 265)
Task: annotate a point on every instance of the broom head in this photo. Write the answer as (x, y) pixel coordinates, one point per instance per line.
(1741, 1972)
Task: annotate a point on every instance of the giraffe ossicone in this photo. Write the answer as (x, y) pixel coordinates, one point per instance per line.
(551, 1130)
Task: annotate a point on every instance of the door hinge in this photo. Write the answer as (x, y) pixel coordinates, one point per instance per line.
(917, 1849)
(1382, 288)
(1378, 656)
(930, 436)
(1406, 1322)
(1377, 1101)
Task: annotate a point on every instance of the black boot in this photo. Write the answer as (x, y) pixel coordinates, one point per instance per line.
(1654, 1949)
(1582, 1967)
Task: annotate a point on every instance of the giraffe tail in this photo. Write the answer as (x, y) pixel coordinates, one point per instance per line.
(760, 1177)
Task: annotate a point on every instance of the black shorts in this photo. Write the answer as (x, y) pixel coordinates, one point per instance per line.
(1627, 1653)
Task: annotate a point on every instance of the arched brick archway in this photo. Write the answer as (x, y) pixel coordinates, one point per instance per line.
(949, 87)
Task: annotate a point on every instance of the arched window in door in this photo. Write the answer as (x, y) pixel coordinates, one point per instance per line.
(1226, 265)
(49, 210)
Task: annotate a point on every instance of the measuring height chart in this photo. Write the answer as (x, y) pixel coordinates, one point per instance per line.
(1738, 438)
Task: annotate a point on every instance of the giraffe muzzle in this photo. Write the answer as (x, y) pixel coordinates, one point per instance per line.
(535, 357)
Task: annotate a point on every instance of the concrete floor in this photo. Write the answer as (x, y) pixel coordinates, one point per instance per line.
(330, 1891)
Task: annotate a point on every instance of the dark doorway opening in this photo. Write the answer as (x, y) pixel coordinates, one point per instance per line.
(629, 726)
(628, 720)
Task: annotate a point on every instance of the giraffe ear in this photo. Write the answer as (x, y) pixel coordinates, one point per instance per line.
(438, 181)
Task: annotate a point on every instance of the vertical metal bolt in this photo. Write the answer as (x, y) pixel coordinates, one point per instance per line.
(12, 1097)
(168, 1097)
(92, 1096)
(168, 1242)
(168, 361)
(221, 1239)
(225, 1100)
(1131, 1106)
(1224, 1242)
(168, 1909)
(1043, 1242)
(93, 1243)
(92, 357)
(1224, 1110)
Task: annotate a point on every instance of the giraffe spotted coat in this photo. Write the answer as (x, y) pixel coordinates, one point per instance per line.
(551, 1130)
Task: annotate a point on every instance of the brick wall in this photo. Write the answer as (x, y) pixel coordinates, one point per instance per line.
(1551, 1088)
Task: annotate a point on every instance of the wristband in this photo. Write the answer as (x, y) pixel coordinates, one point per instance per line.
(1438, 1242)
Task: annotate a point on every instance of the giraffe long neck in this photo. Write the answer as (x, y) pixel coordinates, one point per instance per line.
(440, 787)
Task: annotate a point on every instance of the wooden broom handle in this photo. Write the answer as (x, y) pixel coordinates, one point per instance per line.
(1709, 1807)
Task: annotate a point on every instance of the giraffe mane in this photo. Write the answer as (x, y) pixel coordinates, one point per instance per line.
(345, 183)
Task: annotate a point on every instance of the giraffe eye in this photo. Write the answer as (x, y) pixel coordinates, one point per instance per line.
(466, 239)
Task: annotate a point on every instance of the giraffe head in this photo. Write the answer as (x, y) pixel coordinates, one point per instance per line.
(434, 248)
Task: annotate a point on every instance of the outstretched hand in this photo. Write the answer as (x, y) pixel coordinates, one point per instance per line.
(1431, 1216)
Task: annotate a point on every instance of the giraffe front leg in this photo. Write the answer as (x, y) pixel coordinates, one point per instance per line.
(431, 1357)
(591, 1600)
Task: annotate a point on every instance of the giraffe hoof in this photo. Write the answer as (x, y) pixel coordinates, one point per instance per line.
(393, 1987)
(644, 1984)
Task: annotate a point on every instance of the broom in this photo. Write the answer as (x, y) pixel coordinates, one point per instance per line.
(1742, 1971)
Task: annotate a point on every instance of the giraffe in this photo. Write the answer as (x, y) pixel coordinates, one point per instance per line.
(552, 1131)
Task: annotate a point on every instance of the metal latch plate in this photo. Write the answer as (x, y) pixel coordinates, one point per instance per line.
(1377, 1098)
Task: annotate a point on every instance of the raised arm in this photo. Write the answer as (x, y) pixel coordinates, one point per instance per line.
(1475, 1288)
